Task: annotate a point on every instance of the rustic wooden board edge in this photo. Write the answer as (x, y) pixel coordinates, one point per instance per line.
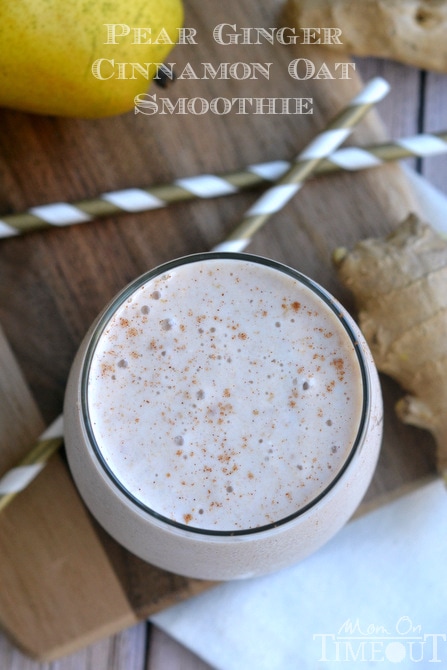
(26, 524)
(51, 567)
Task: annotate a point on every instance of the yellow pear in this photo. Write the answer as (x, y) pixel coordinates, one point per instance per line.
(74, 58)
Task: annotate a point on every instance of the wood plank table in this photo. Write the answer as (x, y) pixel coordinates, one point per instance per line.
(53, 282)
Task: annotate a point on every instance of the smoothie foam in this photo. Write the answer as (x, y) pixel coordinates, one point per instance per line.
(224, 395)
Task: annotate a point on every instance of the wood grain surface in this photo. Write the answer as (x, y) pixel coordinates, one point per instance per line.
(55, 563)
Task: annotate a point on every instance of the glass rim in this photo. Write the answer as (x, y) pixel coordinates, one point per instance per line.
(104, 318)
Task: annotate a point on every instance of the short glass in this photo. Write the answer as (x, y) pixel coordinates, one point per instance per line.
(223, 416)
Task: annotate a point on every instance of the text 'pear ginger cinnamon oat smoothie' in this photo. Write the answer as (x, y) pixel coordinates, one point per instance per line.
(223, 418)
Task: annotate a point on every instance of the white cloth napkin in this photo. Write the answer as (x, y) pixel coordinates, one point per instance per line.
(374, 597)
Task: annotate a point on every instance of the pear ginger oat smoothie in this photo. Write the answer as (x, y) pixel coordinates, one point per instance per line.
(224, 417)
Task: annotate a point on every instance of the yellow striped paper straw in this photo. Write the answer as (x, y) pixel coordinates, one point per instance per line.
(19, 477)
(206, 186)
(305, 164)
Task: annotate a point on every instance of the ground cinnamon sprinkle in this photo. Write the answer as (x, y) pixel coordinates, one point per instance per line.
(339, 365)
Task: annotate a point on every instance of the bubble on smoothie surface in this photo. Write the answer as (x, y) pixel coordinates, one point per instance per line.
(238, 395)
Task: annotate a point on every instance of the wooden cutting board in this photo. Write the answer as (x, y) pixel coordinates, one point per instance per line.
(64, 582)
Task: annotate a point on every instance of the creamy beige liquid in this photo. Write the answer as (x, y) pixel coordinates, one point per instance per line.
(225, 395)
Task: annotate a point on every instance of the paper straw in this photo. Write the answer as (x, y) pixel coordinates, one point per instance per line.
(19, 477)
(346, 159)
(305, 164)
(423, 145)
(212, 186)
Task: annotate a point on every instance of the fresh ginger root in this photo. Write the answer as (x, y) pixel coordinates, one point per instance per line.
(408, 31)
(400, 287)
